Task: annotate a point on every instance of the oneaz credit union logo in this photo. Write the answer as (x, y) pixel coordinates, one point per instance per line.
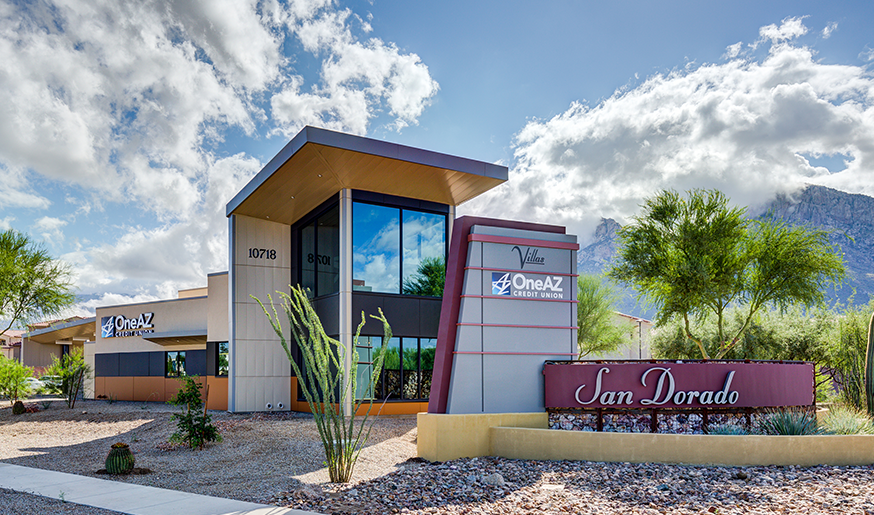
(518, 285)
(500, 283)
(107, 327)
(118, 326)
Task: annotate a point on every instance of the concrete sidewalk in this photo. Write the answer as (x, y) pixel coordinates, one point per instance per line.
(125, 497)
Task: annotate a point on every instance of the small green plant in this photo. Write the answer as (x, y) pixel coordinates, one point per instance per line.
(13, 379)
(843, 420)
(46, 404)
(329, 391)
(789, 422)
(120, 459)
(728, 429)
(194, 425)
(61, 496)
(73, 371)
(112, 398)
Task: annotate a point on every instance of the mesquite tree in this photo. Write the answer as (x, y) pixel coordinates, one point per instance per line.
(695, 255)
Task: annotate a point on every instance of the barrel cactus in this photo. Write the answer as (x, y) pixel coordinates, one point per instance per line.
(869, 368)
(120, 459)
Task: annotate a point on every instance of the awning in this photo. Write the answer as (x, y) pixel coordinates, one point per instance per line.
(77, 331)
(191, 337)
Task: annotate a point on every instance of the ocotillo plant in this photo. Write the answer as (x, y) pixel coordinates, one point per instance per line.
(325, 384)
(869, 368)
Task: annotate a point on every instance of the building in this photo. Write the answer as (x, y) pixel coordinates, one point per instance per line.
(10, 344)
(46, 341)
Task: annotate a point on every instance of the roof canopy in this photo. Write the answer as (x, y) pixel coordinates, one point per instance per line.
(77, 330)
(318, 163)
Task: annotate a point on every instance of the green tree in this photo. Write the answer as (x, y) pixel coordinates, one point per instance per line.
(429, 278)
(695, 256)
(13, 379)
(599, 332)
(324, 382)
(32, 284)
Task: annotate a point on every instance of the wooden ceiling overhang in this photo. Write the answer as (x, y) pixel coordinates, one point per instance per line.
(78, 331)
(318, 163)
(192, 337)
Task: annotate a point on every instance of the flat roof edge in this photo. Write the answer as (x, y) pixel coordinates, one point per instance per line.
(53, 328)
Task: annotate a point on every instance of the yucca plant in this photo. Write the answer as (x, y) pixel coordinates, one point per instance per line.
(728, 429)
(324, 382)
(789, 422)
(843, 420)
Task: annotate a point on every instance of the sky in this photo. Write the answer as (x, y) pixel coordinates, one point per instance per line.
(126, 127)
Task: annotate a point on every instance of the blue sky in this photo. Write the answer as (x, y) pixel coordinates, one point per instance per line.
(124, 129)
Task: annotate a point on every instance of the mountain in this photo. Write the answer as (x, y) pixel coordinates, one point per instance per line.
(848, 218)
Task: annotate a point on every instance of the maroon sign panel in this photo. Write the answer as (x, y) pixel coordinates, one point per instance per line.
(678, 385)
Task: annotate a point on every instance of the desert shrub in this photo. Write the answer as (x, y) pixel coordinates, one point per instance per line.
(194, 425)
(13, 379)
(327, 388)
(789, 422)
(844, 420)
(72, 371)
(728, 429)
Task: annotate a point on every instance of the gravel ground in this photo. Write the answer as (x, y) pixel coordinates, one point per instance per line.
(277, 459)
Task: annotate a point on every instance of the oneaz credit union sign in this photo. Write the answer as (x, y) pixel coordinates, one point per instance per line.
(119, 326)
(678, 384)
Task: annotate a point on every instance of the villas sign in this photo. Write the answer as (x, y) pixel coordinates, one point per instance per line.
(678, 385)
(118, 326)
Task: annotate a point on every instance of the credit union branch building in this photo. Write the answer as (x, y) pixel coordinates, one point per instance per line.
(352, 220)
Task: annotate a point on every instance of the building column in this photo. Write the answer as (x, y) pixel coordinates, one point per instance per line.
(345, 297)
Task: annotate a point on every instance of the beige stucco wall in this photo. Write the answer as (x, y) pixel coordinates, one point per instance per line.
(217, 308)
(38, 355)
(444, 437)
(259, 368)
(169, 315)
(192, 292)
(638, 344)
(545, 444)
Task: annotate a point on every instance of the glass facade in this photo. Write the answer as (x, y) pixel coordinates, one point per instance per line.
(320, 253)
(175, 364)
(407, 369)
(389, 245)
(222, 359)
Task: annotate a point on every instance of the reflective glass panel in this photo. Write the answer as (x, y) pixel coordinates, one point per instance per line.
(308, 259)
(175, 364)
(328, 255)
(426, 360)
(392, 378)
(424, 253)
(365, 365)
(375, 248)
(222, 362)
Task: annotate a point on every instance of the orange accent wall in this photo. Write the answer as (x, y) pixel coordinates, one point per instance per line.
(99, 386)
(218, 393)
(389, 408)
(148, 389)
(119, 388)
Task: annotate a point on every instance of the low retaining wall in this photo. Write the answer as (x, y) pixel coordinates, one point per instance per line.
(446, 437)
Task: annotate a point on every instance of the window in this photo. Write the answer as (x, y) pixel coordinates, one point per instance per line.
(406, 372)
(175, 364)
(390, 244)
(222, 359)
(320, 253)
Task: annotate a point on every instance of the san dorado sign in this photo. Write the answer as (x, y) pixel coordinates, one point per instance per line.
(677, 384)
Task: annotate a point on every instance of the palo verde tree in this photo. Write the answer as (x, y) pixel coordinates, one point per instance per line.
(32, 284)
(598, 329)
(695, 255)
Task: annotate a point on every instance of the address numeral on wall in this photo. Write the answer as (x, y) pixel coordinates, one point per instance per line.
(262, 253)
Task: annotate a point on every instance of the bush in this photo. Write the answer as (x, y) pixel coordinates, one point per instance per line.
(13, 379)
(789, 423)
(193, 426)
(843, 420)
(72, 371)
(18, 408)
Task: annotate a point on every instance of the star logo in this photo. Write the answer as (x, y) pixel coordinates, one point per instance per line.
(500, 283)
(107, 327)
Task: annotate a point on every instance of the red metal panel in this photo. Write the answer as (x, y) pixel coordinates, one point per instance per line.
(506, 240)
(678, 385)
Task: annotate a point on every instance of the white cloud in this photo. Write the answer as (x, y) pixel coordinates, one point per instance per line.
(867, 54)
(128, 102)
(789, 29)
(738, 126)
(829, 29)
(732, 51)
(6, 223)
